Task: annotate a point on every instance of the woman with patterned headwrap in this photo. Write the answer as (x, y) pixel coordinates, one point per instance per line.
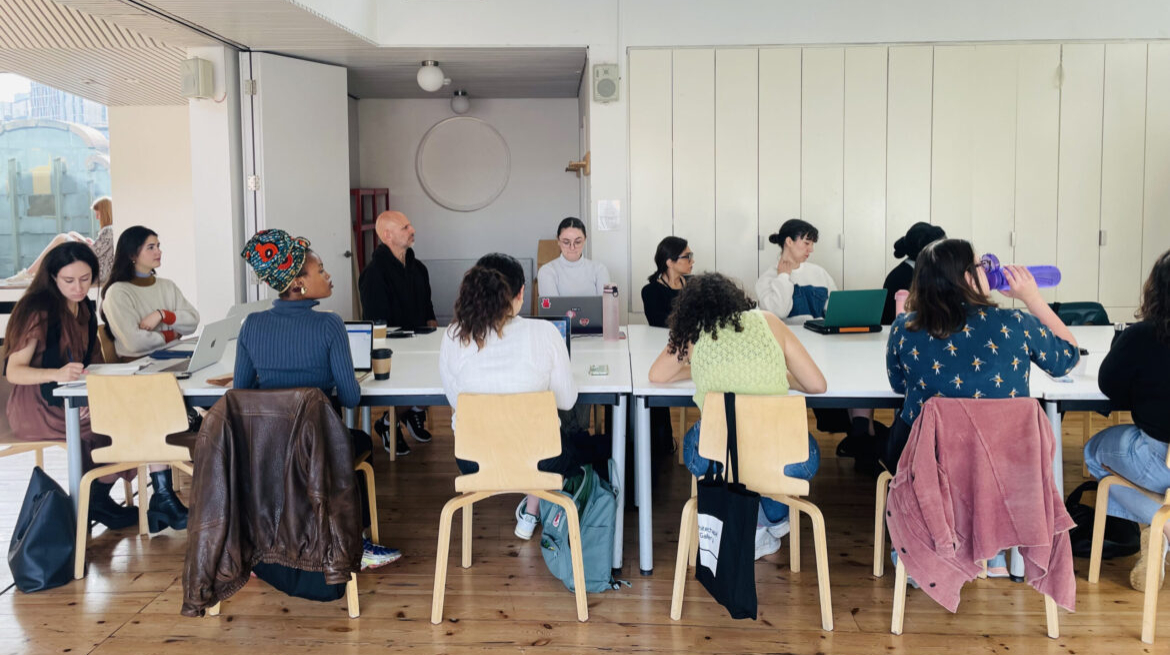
(291, 345)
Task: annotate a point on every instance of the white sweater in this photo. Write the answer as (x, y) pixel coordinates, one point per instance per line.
(561, 277)
(774, 291)
(126, 304)
(530, 356)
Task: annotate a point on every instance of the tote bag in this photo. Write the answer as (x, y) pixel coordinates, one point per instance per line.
(727, 531)
(41, 552)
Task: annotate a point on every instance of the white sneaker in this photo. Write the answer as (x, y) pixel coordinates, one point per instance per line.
(779, 530)
(766, 543)
(525, 522)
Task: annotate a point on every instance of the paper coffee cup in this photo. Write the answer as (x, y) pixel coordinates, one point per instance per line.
(379, 329)
(381, 363)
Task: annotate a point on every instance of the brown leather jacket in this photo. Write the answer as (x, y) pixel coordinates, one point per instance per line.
(273, 483)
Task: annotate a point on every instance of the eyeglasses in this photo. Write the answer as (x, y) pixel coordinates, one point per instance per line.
(690, 256)
(577, 243)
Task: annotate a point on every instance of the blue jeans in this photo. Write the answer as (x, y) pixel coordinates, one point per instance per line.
(1137, 457)
(771, 512)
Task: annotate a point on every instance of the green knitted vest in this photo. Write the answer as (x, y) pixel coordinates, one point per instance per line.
(748, 362)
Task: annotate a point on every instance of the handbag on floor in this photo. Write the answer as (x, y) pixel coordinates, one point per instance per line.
(596, 502)
(726, 564)
(1122, 536)
(41, 552)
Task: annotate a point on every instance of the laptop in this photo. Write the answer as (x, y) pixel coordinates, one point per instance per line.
(851, 312)
(243, 309)
(209, 349)
(361, 346)
(562, 325)
(584, 312)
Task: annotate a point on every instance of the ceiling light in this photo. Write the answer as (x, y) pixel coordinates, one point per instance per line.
(459, 103)
(430, 76)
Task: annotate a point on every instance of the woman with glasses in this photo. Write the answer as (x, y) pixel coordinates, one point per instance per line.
(673, 262)
(572, 274)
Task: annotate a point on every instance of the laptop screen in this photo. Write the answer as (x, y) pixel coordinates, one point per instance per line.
(562, 325)
(361, 343)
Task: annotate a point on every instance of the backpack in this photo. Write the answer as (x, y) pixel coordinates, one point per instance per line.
(596, 502)
(1122, 537)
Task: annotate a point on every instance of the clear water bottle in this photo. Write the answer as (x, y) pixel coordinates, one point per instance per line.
(610, 313)
(1046, 276)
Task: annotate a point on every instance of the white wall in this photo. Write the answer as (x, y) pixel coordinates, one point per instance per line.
(542, 136)
(150, 177)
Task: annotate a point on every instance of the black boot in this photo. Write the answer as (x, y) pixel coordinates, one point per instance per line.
(165, 510)
(106, 510)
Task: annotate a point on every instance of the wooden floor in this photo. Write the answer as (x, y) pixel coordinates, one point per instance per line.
(507, 602)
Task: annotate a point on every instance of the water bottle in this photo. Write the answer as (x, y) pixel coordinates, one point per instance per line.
(900, 297)
(610, 313)
(1046, 276)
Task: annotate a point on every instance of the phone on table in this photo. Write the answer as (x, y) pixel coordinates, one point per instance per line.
(599, 369)
(182, 375)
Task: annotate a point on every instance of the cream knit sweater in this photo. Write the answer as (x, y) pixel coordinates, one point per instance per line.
(126, 303)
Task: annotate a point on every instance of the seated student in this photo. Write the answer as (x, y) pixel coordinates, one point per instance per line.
(572, 274)
(719, 340)
(796, 287)
(489, 348)
(1134, 376)
(673, 261)
(917, 237)
(291, 345)
(50, 338)
(143, 312)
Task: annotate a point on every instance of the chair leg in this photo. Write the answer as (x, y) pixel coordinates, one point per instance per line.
(686, 536)
(879, 524)
(983, 571)
(82, 526)
(143, 497)
(351, 597)
(127, 491)
(444, 550)
(393, 418)
(1052, 617)
(1154, 566)
(213, 610)
(794, 538)
(1086, 435)
(371, 499)
(694, 545)
(899, 598)
(574, 549)
(40, 455)
(1099, 516)
(467, 521)
(682, 433)
(820, 545)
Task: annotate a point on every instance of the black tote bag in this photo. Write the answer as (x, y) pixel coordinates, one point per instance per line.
(726, 564)
(41, 552)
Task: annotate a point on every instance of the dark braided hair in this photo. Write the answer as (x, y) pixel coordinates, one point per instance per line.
(708, 303)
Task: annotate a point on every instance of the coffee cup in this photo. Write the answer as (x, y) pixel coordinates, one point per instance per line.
(379, 329)
(381, 363)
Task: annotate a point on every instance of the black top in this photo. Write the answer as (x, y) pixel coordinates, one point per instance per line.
(397, 293)
(1136, 377)
(658, 302)
(898, 279)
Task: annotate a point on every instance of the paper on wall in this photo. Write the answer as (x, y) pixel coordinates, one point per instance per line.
(609, 215)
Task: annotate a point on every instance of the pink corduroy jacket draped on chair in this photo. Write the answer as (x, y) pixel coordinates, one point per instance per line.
(976, 478)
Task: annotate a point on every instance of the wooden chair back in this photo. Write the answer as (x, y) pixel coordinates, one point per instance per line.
(106, 343)
(546, 251)
(137, 412)
(772, 432)
(507, 435)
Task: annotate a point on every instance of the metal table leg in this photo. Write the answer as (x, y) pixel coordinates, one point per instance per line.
(619, 461)
(642, 486)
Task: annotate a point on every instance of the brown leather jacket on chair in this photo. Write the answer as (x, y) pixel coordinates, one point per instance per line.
(273, 483)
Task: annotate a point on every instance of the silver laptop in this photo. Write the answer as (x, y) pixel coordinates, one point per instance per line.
(212, 342)
(584, 312)
(361, 345)
(243, 309)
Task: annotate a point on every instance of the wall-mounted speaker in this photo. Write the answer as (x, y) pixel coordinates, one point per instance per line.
(196, 75)
(605, 82)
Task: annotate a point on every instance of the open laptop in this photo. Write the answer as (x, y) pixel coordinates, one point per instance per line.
(584, 312)
(563, 326)
(361, 346)
(209, 349)
(850, 312)
(245, 308)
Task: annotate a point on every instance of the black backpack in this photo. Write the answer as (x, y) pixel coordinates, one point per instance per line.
(1122, 536)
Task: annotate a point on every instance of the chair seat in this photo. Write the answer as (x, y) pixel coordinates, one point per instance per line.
(9, 439)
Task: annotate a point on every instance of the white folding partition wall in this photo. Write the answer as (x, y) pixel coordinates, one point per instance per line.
(1039, 153)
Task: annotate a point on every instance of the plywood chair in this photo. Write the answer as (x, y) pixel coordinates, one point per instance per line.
(507, 435)
(772, 432)
(106, 344)
(136, 412)
(353, 608)
(1153, 561)
(363, 465)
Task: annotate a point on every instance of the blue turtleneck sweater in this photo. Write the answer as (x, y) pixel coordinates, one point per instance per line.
(291, 345)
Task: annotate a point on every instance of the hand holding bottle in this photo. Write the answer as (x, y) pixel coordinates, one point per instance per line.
(1021, 285)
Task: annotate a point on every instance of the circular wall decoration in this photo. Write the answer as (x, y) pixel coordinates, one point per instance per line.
(463, 163)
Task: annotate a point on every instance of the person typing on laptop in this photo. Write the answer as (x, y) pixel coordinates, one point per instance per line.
(291, 345)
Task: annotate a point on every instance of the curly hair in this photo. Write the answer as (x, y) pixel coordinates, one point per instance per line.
(708, 303)
(1156, 299)
(485, 297)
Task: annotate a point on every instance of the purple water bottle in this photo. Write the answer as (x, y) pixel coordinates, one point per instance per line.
(1046, 276)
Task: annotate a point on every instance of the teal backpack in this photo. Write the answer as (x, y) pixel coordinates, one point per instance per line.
(596, 502)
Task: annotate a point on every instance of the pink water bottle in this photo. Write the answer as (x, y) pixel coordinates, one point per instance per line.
(610, 313)
(900, 297)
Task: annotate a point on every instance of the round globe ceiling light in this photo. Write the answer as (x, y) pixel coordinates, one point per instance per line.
(460, 103)
(430, 76)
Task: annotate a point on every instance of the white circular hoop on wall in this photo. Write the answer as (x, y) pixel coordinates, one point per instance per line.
(463, 163)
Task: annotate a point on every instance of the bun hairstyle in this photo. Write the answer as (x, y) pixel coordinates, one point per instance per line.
(571, 222)
(669, 249)
(917, 237)
(794, 229)
(485, 298)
